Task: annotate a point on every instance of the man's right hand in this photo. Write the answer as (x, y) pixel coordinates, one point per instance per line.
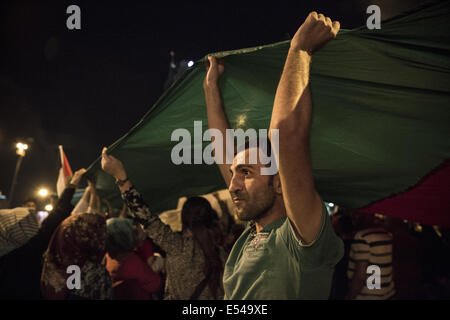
(113, 166)
(214, 69)
(314, 33)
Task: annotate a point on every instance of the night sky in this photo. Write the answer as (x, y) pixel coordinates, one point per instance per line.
(84, 89)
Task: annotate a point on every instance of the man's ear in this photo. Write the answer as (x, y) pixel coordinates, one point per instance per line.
(277, 184)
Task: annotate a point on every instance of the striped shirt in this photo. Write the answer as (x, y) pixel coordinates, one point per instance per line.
(17, 226)
(374, 246)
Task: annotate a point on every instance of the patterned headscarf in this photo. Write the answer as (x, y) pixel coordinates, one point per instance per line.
(119, 235)
(17, 226)
(79, 240)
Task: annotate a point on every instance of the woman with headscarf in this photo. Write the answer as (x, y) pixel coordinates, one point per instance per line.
(79, 241)
(132, 278)
(21, 266)
(194, 258)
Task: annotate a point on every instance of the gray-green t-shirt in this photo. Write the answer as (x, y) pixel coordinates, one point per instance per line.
(274, 264)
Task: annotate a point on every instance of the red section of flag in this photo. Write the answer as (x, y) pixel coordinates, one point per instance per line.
(65, 165)
(428, 202)
(64, 173)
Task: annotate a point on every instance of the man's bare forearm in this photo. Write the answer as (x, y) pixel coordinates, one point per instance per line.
(294, 80)
(312, 35)
(214, 109)
(217, 120)
(291, 115)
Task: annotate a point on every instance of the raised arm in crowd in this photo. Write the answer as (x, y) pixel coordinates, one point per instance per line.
(195, 248)
(20, 270)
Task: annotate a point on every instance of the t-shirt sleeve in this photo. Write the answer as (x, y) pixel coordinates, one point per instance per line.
(325, 251)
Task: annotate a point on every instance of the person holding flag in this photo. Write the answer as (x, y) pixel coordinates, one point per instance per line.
(289, 248)
(20, 269)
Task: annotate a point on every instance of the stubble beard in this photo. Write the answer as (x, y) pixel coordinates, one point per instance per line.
(257, 206)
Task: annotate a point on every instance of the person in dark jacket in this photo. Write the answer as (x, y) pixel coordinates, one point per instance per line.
(20, 269)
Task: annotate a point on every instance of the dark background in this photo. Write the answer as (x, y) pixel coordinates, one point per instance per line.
(84, 89)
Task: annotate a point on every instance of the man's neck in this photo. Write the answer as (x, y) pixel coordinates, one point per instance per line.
(276, 212)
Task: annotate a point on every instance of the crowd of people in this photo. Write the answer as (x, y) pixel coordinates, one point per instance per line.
(119, 260)
(289, 247)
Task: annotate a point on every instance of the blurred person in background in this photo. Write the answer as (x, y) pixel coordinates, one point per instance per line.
(20, 269)
(407, 259)
(17, 226)
(31, 204)
(435, 261)
(78, 241)
(195, 258)
(371, 245)
(342, 224)
(128, 268)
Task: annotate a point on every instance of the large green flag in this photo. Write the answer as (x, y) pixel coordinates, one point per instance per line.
(380, 121)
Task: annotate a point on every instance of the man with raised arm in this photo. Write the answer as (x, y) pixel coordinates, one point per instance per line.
(289, 249)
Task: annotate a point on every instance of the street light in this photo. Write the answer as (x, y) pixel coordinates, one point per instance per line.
(43, 192)
(21, 150)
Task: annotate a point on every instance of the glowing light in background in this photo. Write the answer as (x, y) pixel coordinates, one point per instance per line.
(43, 192)
(21, 147)
(42, 215)
(241, 120)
